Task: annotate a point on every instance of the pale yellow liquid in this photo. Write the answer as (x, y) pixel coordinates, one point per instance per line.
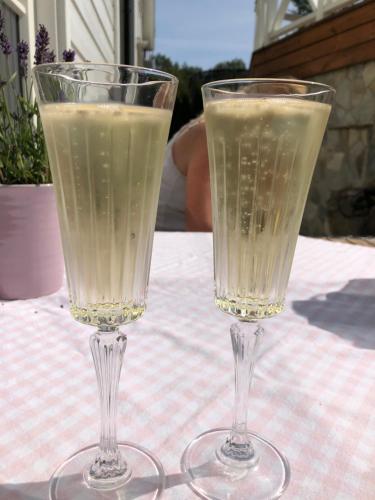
(262, 154)
(106, 162)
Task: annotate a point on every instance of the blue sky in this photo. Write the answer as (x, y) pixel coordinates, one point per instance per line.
(205, 32)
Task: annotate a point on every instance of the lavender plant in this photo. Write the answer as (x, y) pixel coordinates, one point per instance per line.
(23, 155)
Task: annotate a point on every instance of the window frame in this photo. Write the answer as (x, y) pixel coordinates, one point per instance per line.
(25, 11)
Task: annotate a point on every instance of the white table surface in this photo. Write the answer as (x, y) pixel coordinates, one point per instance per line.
(313, 394)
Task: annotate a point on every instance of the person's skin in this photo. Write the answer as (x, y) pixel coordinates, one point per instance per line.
(191, 158)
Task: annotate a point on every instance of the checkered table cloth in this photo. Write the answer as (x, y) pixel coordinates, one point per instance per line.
(313, 394)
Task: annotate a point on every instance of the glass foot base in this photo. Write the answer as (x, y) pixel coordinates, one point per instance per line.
(212, 479)
(144, 479)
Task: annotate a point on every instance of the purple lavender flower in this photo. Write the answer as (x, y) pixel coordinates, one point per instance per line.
(5, 45)
(42, 53)
(23, 52)
(4, 42)
(41, 43)
(69, 55)
(49, 57)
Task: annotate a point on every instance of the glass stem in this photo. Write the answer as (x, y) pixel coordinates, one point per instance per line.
(238, 450)
(108, 348)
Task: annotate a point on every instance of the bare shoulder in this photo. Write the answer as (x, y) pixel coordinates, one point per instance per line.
(190, 144)
(197, 133)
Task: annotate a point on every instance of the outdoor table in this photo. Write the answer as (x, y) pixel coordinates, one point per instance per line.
(313, 394)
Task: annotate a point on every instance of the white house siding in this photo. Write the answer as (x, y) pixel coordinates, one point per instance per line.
(92, 30)
(90, 27)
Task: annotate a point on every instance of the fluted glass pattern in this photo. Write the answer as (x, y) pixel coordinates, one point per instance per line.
(262, 154)
(106, 161)
(108, 352)
(245, 339)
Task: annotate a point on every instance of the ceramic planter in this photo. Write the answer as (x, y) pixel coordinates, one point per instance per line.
(31, 260)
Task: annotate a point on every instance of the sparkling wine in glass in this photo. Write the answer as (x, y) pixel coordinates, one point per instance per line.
(106, 127)
(263, 138)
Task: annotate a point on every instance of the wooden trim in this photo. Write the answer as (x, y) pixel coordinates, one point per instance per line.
(331, 62)
(326, 28)
(310, 19)
(341, 40)
(360, 34)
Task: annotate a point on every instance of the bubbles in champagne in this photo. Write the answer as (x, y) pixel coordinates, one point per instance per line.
(262, 154)
(106, 161)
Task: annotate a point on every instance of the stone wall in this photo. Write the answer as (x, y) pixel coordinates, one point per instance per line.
(340, 198)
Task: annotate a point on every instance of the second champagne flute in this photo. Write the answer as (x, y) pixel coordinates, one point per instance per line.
(263, 139)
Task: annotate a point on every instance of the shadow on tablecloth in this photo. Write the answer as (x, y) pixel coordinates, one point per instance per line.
(137, 487)
(24, 491)
(349, 312)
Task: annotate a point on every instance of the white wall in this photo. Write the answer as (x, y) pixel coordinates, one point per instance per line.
(93, 28)
(90, 27)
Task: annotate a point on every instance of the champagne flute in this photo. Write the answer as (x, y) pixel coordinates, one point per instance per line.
(106, 127)
(263, 140)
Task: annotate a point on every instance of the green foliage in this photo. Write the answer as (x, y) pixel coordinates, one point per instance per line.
(303, 7)
(234, 64)
(23, 156)
(191, 78)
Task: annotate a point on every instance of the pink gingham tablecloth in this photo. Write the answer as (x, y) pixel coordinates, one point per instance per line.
(313, 394)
